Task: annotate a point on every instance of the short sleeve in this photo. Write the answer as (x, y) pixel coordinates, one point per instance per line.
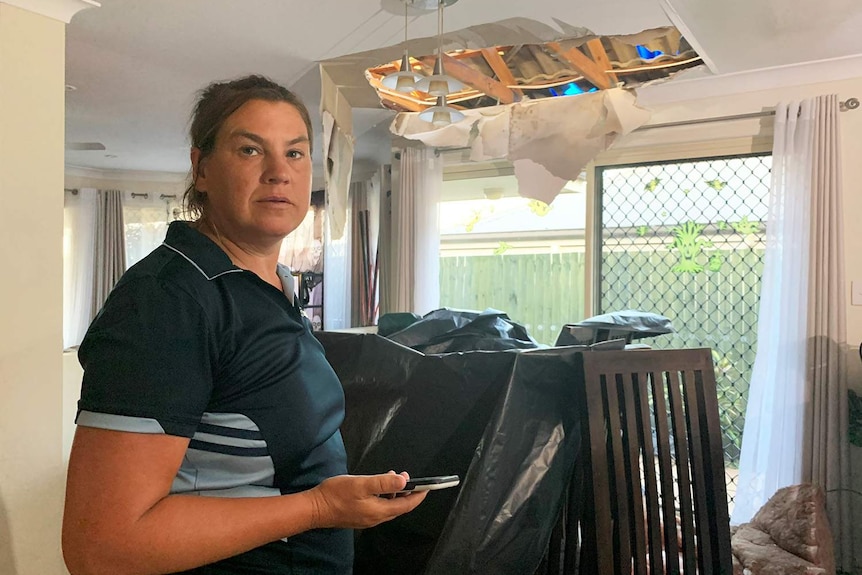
(148, 361)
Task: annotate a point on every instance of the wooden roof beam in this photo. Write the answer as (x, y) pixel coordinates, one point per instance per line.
(600, 57)
(499, 66)
(579, 61)
(400, 101)
(475, 79)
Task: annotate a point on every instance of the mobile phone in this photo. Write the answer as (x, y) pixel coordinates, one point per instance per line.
(431, 483)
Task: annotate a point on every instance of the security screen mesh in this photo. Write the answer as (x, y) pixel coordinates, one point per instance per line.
(686, 240)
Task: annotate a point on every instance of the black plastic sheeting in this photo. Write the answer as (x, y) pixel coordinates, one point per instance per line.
(641, 323)
(447, 330)
(627, 324)
(506, 422)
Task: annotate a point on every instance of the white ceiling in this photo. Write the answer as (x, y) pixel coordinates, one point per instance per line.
(136, 65)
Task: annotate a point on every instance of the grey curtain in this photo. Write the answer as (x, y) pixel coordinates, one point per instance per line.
(109, 257)
(384, 259)
(826, 458)
(363, 258)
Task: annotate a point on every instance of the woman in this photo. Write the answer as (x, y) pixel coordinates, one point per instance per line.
(207, 437)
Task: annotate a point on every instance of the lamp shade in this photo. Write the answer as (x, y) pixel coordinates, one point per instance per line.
(441, 114)
(439, 84)
(404, 80)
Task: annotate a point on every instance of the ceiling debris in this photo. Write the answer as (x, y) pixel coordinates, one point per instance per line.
(513, 72)
(548, 141)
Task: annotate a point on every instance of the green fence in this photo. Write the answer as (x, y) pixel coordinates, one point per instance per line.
(716, 309)
(542, 292)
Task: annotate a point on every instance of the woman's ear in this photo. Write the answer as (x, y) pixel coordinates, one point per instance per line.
(198, 161)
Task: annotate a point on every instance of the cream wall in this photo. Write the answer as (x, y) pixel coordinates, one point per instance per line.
(32, 474)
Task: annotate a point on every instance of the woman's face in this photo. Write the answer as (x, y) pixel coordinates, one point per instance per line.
(258, 176)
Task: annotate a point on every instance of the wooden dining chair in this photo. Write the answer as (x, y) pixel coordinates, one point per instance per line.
(653, 497)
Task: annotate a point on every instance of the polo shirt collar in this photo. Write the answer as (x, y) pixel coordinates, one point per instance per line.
(198, 249)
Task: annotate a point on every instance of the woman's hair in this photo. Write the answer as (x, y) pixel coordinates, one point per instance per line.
(215, 104)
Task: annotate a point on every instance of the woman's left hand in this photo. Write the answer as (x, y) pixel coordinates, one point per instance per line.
(360, 501)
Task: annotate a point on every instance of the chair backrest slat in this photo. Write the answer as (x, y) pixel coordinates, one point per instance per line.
(698, 460)
(654, 474)
(651, 501)
(683, 478)
(620, 517)
(632, 442)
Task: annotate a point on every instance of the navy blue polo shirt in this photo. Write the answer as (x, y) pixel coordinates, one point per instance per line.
(188, 344)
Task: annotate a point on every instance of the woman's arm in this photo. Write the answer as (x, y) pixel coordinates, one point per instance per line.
(121, 520)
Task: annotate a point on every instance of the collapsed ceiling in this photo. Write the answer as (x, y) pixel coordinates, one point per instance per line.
(510, 104)
(513, 73)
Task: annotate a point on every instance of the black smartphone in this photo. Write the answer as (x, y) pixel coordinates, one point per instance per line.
(431, 483)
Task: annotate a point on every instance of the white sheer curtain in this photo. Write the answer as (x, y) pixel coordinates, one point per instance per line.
(79, 228)
(771, 455)
(414, 277)
(302, 249)
(146, 217)
(336, 273)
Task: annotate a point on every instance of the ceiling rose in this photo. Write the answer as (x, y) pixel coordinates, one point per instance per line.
(414, 7)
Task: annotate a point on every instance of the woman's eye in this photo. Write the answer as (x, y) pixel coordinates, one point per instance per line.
(248, 151)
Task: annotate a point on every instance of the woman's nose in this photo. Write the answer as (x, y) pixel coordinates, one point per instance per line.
(276, 170)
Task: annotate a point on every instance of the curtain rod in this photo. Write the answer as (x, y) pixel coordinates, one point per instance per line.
(849, 104)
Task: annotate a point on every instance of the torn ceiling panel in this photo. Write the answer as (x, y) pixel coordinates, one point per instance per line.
(549, 141)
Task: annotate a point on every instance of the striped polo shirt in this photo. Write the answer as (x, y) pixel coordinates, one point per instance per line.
(188, 344)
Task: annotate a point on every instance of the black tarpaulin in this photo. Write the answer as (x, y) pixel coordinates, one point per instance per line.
(446, 330)
(506, 422)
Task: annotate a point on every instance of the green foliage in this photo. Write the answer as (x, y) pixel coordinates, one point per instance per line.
(642, 231)
(722, 226)
(715, 263)
(721, 364)
(540, 208)
(477, 215)
(502, 248)
(716, 185)
(731, 411)
(744, 227)
(652, 184)
(689, 243)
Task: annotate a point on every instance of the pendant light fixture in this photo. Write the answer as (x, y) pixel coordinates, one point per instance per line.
(439, 84)
(405, 79)
(441, 114)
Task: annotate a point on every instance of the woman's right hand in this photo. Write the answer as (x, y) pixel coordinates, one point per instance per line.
(360, 501)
